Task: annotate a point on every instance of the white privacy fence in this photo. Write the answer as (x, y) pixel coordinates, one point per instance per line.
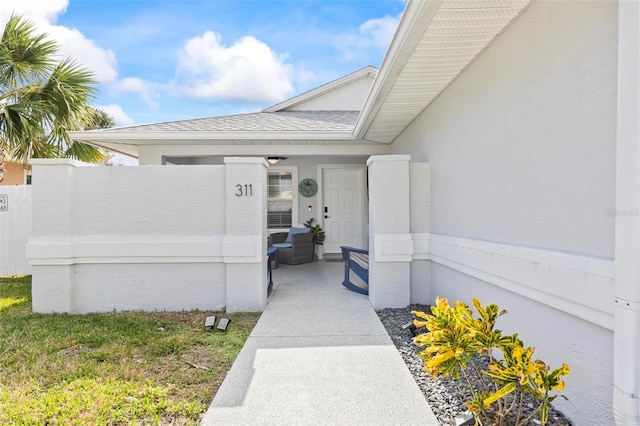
(15, 229)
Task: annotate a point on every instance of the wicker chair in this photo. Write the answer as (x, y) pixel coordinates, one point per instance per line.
(301, 250)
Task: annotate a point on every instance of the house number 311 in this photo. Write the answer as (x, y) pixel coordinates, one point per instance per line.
(244, 190)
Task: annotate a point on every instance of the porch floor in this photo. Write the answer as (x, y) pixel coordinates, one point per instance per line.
(318, 355)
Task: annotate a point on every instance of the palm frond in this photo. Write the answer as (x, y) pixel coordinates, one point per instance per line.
(84, 152)
(41, 99)
(96, 118)
(18, 123)
(25, 56)
(67, 94)
(36, 146)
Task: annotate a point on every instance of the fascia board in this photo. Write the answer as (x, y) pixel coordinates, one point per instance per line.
(256, 150)
(415, 20)
(268, 150)
(142, 137)
(325, 88)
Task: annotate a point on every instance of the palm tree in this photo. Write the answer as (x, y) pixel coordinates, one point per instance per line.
(41, 98)
(98, 119)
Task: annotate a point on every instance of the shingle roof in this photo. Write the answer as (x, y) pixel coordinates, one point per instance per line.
(282, 121)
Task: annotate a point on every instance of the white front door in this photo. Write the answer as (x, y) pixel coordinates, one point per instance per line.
(344, 208)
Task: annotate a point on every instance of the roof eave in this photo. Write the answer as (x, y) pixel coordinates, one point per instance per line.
(413, 75)
(145, 137)
(416, 17)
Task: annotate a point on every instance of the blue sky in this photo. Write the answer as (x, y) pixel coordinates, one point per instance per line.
(164, 60)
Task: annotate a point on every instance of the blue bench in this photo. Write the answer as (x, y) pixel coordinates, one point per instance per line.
(357, 261)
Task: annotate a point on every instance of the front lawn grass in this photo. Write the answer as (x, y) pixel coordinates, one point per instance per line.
(114, 368)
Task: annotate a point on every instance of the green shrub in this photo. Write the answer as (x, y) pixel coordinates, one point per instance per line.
(455, 341)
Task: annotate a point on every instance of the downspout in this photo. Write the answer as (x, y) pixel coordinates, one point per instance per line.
(626, 357)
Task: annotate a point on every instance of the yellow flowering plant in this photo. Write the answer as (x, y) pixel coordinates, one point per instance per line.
(454, 340)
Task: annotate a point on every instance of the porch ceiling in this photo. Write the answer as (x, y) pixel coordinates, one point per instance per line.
(434, 43)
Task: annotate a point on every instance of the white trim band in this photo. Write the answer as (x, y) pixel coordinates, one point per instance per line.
(578, 285)
(393, 247)
(145, 249)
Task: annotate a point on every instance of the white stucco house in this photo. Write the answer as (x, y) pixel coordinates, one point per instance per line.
(495, 154)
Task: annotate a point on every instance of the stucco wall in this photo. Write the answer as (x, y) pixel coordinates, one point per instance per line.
(162, 287)
(349, 97)
(522, 153)
(557, 337)
(124, 200)
(522, 143)
(148, 237)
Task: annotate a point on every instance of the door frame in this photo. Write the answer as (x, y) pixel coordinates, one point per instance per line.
(365, 198)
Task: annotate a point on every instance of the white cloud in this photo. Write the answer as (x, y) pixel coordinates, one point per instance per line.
(143, 88)
(44, 14)
(37, 10)
(102, 62)
(118, 115)
(304, 77)
(379, 31)
(374, 33)
(248, 70)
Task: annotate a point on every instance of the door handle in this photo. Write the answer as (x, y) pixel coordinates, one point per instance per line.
(326, 217)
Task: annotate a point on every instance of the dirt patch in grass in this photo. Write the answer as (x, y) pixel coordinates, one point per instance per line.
(74, 350)
(114, 368)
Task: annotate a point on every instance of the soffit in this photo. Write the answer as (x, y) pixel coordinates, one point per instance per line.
(456, 34)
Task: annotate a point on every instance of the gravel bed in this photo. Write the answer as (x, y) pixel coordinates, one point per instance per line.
(445, 396)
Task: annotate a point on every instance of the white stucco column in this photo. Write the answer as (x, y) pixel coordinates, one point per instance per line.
(390, 242)
(245, 244)
(50, 247)
(420, 208)
(626, 372)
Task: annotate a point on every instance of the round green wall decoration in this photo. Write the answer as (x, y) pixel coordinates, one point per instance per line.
(308, 187)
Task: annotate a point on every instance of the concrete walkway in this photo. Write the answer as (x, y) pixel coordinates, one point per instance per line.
(319, 355)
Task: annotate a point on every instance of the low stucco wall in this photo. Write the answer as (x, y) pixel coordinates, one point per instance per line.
(148, 238)
(163, 287)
